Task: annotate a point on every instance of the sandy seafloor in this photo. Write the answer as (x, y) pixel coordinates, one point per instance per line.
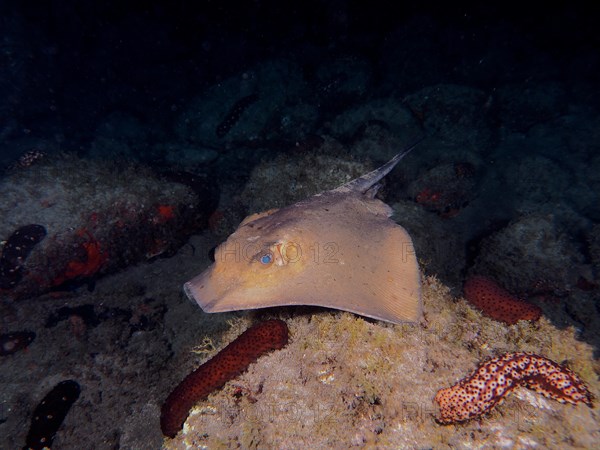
(505, 184)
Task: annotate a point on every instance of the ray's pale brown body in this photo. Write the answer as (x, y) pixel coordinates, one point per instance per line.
(338, 249)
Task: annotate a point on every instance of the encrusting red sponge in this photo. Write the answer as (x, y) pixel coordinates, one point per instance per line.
(496, 302)
(224, 366)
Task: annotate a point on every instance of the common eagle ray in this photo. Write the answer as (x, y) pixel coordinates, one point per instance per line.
(337, 249)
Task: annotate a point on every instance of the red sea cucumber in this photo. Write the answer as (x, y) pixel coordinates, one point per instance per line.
(496, 302)
(224, 366)
(493, 380)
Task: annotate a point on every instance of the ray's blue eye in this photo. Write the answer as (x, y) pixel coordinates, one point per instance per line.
(266, 258)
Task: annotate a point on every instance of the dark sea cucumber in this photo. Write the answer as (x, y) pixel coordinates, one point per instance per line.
(13, 342)
(15, 251)
(224, 366)
(50, 413)
(494, 379)
(234, 114)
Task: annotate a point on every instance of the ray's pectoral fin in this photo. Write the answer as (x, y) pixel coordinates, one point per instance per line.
(392, 289)
(373, 274)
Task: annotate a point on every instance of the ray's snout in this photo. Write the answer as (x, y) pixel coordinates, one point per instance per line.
(187, 288)
(199, 290)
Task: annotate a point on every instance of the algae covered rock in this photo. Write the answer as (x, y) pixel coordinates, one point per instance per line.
(390, 113)
(445, 188)
(536, 180)
(290, 178)
(343, 80)
(245, 107)
(522, 106)
(359, 383)
(594, 248)
(436, 253)
(97, 217)
(530, 252)
(453, 113)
